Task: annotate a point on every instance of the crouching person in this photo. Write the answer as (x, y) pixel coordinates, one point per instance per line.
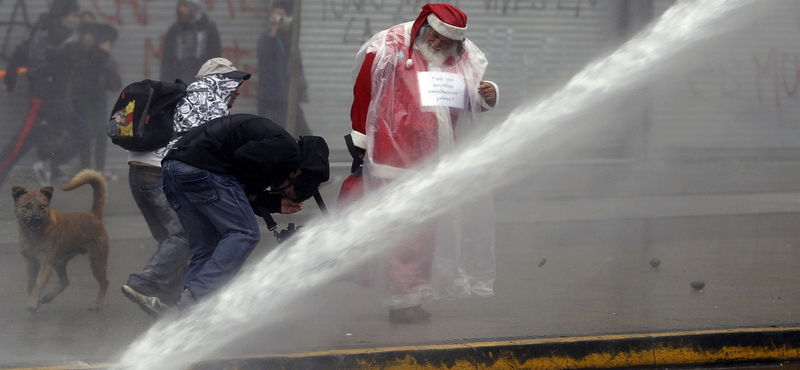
(215, 177)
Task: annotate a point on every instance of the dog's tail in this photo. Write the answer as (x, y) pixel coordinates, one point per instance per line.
(98, 183)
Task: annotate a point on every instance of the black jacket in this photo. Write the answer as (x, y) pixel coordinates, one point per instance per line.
(187, 46)
(255, 150)
(47, 56)
(273, 53)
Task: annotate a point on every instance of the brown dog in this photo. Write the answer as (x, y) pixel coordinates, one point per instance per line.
(49, 238)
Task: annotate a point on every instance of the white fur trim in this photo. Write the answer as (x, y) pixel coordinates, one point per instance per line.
(359, 139)
(446, 30)
(385, 172)
(486, 105)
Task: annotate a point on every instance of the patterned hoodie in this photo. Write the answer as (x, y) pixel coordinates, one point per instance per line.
(206, 99)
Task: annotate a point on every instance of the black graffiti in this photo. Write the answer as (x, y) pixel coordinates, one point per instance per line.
(575, 5)
(513, 6)
(340, 8)
(19, 20)
(506, 6)
(359, 23)
(350, 38)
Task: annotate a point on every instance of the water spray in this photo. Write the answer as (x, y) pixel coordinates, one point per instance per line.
(329, 247)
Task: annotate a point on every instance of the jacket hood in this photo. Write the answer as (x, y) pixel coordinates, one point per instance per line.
(197, 13)
(206, 99)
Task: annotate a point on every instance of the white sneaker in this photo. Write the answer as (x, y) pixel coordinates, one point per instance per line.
(43, 172)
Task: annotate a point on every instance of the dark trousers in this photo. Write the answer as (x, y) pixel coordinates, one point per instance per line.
(222, 227)
(163, 275)
(92, 107)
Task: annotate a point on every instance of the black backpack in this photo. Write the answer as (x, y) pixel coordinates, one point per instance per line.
(141, 120)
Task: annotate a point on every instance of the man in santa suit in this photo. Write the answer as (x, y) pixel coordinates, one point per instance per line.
(418, 85)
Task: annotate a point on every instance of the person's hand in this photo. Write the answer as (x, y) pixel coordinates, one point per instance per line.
(106, 46)
(289, 206)
(274, 25)
(488, 93)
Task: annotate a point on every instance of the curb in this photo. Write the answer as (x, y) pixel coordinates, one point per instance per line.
(705, 347)
(767, 347)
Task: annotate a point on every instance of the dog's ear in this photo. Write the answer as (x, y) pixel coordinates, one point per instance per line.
(18, 191)
(48, 192)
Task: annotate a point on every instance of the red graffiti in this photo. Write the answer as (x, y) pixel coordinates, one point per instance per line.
(793, 90)
(140, 11)
(769, 68)
(151, 50)
(236, 54)
(139, 8)
(783, 69)
(244, 8)
(776, 74)
(257, 11)
(248, 90)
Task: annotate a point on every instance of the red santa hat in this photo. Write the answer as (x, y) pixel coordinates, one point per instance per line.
(445, 19)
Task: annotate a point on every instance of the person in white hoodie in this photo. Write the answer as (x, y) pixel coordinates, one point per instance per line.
(156, 288)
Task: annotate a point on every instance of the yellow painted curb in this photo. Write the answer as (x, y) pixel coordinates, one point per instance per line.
(700, 347)
(589, 352)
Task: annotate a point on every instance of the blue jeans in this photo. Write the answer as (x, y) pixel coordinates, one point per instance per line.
(218, 219)
(163, 275)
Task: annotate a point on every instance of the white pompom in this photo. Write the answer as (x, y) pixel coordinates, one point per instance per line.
(409, 63)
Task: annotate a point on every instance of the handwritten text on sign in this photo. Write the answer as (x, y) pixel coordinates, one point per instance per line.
(441, 89)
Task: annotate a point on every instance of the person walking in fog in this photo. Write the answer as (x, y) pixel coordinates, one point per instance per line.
(95, 75)
(401, 117)
(274, 70)
(158, 286)
(52, 124)
(189, 42)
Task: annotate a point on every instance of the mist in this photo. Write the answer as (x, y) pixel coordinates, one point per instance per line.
(693, 162)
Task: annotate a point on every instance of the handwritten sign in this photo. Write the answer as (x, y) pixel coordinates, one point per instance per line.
(442, 89)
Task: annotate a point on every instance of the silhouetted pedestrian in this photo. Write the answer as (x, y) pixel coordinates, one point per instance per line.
(274, 70)
(52, 124)
(190, 41)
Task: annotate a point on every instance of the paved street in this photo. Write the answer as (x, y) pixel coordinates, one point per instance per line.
(572, 260)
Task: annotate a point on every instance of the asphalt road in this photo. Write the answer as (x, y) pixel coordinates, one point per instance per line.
(574, 245)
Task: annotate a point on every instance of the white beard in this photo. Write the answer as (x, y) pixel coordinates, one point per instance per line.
(433, 56)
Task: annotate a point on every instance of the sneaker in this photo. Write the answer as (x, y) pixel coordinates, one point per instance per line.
(151, 305)
(43, 172)
(185, 300)
(408, 315)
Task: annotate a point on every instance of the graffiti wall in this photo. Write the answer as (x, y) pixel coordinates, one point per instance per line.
(743, 85)
(736, 94)
(526, 54)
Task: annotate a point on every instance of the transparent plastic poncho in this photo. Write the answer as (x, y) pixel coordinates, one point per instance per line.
(452, 256)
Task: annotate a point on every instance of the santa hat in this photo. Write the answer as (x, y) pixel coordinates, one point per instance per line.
(445, 19)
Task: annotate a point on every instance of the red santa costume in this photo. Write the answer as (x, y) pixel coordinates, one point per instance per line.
(407, 110)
